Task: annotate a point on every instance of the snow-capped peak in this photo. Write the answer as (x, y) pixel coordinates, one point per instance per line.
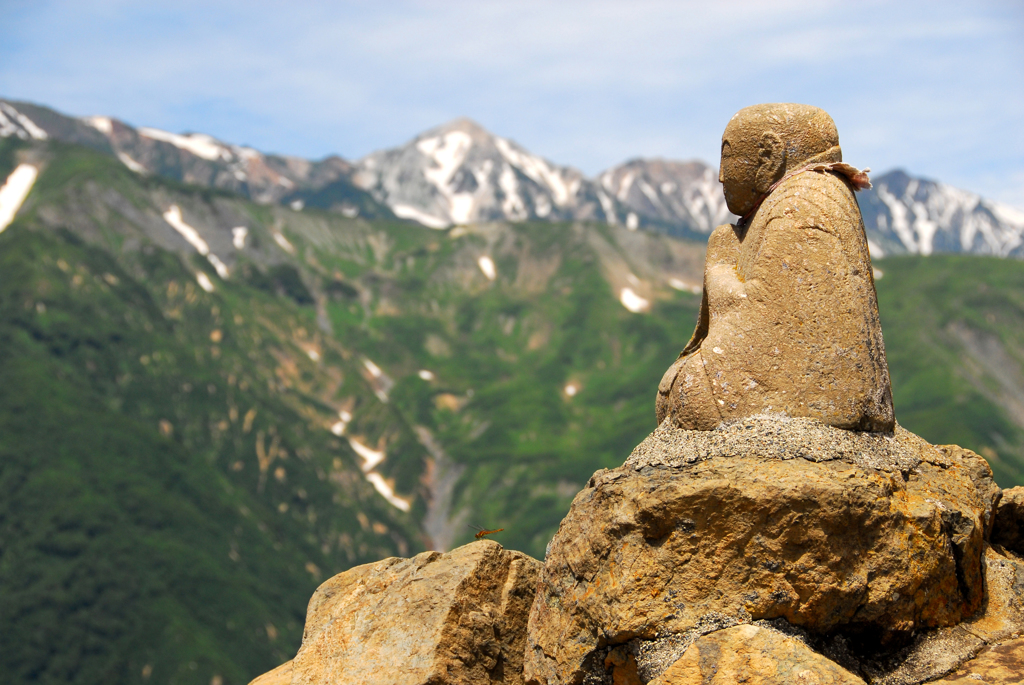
(907, 214)
(670, 195)
(460, 173)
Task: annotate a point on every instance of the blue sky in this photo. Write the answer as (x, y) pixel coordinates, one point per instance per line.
(934, 87)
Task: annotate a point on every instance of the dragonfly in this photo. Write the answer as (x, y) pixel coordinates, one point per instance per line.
(481, 532)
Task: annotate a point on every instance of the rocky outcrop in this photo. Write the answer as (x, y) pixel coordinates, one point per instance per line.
(455, 618)
(865, 535)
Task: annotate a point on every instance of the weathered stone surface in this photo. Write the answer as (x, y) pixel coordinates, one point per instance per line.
(935, 653)
(455, 618)
(758, 656)
(1008, 530)
(932, 654)
(1002, 615)
(789, 317)
(1002, 664)
(282, 675)
(769, 517)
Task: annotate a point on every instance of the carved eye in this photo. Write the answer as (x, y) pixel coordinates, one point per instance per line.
(726, 148)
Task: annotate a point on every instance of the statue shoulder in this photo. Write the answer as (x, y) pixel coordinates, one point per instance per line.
(814, 200)
(723, 244)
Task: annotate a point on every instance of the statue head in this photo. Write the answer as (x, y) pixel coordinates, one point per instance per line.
(763, 142)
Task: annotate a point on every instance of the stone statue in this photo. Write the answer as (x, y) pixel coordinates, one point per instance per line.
(789, 317)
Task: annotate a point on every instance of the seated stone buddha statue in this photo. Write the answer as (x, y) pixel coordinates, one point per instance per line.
(789, 316)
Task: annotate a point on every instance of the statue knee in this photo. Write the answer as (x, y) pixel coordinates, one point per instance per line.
(685, 396)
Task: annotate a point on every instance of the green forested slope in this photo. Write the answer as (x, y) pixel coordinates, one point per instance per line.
(954, 338)
(138, 531)
(171, 491)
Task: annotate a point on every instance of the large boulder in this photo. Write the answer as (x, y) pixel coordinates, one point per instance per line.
(455, 618)
(871, 535)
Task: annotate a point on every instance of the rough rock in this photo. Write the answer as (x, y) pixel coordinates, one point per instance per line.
(1002, 664)
(454, 618)
(875, 536)
(1009, 525)
(1003, 614)
(789, 316)
(754, 655)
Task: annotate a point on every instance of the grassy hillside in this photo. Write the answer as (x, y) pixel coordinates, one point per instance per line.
(954, 337)
(174, 476)
(168, 499)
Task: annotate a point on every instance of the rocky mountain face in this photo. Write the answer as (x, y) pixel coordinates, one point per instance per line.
(682, 198)
(200, 159)
(903, 214)
(459, 173)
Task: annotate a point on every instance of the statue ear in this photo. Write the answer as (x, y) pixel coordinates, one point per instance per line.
(771, 161)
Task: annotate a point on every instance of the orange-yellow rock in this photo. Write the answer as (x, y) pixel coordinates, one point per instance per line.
(768, 517)
(457, 618)
(1002, 664)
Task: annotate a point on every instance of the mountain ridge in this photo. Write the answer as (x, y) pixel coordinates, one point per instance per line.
(460, 173)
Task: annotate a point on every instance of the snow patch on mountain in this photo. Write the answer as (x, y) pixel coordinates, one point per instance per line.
(633, 302)
(14, 191)
(199, 144)
(173, 217)
(283, 242)
(131, 163)
(409, 212)
(104, 125)
(387, 492)
(13, 122)
(486, 265)
(538, 170)
(204, 282)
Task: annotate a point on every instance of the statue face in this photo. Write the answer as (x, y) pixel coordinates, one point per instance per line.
(760, 141)
(738, 170)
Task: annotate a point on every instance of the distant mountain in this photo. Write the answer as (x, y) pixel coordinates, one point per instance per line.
(460, 173)
(200, 159)
(903, 214)
(674, 197)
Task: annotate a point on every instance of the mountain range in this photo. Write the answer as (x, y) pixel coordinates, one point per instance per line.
(459, 174)
(217, 391)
